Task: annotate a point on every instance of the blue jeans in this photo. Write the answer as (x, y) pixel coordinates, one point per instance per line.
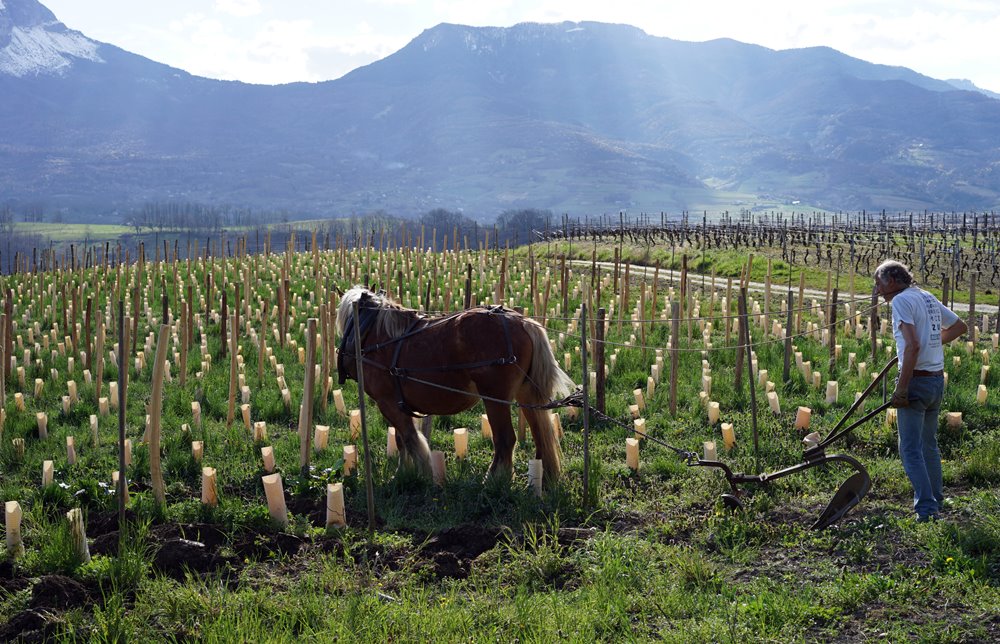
(918, 448)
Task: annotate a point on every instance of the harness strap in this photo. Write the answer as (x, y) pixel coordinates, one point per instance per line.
(398, 377)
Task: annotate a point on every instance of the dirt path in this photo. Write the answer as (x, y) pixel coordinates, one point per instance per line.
(777, 290)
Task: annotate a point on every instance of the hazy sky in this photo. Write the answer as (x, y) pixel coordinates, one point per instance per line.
(275, 41)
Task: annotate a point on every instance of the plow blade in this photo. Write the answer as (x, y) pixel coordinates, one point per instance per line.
(849, 495)
(732, 502)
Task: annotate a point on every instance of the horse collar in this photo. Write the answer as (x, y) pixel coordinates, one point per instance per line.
(367, 316)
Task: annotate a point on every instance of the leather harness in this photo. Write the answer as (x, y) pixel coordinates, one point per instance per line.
(368, 314)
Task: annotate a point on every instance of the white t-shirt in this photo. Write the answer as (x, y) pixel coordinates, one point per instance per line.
(921, 309)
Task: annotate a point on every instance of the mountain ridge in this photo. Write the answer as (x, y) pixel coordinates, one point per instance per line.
(580, 117)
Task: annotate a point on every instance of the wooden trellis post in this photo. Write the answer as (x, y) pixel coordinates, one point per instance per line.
(369, 483)
(308, 387)
(675, 330)
(786, 372)
(745, 342)
(586, 407)
(832, 326)
(123, 343)
(599, 351)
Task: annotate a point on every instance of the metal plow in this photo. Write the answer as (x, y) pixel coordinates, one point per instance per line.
(851, 491)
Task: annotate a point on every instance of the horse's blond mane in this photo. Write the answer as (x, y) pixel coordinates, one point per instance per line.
(392, 319)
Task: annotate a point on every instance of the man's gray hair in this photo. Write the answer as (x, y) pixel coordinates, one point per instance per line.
(890, 269)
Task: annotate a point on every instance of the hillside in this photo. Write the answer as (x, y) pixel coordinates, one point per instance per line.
(576, 117)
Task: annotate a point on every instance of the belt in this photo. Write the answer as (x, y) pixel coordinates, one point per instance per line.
(922, 373)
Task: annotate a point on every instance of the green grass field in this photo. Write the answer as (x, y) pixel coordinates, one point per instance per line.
(656, 556)
(65, 233)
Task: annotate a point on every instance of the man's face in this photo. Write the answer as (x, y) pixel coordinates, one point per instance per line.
(887, 288)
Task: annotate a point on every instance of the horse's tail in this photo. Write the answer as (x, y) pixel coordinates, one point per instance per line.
(547, 381)
(545, 374)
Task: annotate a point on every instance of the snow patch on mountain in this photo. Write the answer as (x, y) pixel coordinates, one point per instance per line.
(40, 49)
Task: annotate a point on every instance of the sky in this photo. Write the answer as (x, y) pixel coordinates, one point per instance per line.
(280, 41)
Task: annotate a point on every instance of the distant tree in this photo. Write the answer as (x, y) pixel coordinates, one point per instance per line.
(33, 213)
(447, 222)
(135, 220)
(6, 221)
(518, 226)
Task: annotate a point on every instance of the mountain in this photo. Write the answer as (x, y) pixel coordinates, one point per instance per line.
(966, 84)
(576, 117)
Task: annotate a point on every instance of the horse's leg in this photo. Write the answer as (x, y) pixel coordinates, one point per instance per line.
(413, 449)
(503, 438)
(425, 425)
(546, 442)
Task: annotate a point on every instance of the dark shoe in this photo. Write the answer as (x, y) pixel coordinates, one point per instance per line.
(926, 518)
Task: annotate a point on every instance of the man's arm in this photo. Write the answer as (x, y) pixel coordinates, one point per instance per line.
(954, 331)
(909, 361)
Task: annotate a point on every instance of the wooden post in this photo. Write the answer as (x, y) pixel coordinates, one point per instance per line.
(184, 339)
(468, 288)
(369, 483)
(324, 330)
(8, 336)
(262, 348)
(767, 299)
(801, 305)
(832, 326)
(675, 330)
(88, 337)
(972, 306)
(4, 361)
(786, 374)
(745, 332)
(564, 284)
(99, 358)
(233, 377)
(642, 315)
(223, 327)
(586, 407)
(729, 307)
(155, 412)
(682, 296)
(741, 304)
(123, 353)
(656, 289)
(873, 323)
(308, 389)
(599, 351)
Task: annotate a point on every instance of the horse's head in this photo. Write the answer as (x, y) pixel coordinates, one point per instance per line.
(359, 294)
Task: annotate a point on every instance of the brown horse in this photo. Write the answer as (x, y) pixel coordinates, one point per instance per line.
(416, 365)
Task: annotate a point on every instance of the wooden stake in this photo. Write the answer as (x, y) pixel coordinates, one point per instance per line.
(233, 379)
(675, 329)
(308, 389)
(599, 392)
(586, 408)
(123, 343)
(369, 483)
(155, 411)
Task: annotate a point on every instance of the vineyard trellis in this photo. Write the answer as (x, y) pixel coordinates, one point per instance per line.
(58, 316)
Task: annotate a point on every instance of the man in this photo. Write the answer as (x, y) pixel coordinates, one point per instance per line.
(921, 326)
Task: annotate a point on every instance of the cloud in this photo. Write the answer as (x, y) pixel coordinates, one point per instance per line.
(239, 8)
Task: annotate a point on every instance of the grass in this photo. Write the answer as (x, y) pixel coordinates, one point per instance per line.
(656, 555)
(73, 232)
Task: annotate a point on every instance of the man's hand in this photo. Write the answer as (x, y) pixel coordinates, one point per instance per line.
(899, 399)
